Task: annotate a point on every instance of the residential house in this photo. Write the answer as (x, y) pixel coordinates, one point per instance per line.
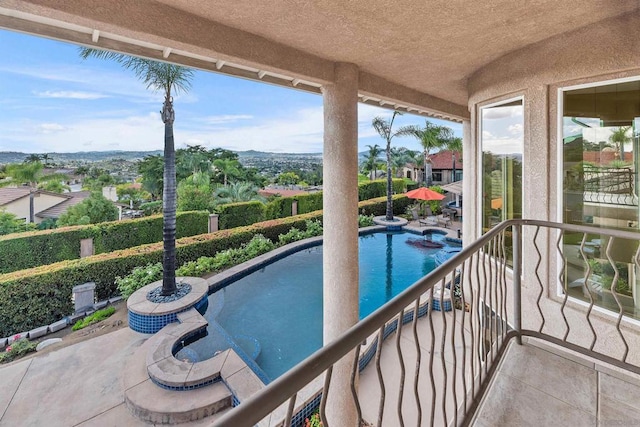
(524, 79)
(442, 168)
(21, 201)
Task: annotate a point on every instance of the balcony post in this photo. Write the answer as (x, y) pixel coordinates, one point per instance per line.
(517, 286)
(340, 221)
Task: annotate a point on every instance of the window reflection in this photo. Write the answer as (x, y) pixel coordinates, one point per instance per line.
(600, 127)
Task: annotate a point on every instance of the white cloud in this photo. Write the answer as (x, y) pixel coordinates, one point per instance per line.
(494, 113)
(299, 131)
(503, 145)
(487, 135)
(226, 118)
(515, 129)
(69, 94)
(47, 128)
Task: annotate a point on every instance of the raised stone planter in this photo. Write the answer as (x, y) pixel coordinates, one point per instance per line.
(149, 317)
(394, 225)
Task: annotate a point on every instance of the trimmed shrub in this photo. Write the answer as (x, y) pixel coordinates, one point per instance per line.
(309, 202)
(138, 278)
(151, 208)
(42, 295)
(280, 207)
(378, 188)
(365, 220)
(240, 214)
(378, 206)
(96, 317)
(32, 249)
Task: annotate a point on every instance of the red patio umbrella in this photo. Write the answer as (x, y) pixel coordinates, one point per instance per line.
(424, 193)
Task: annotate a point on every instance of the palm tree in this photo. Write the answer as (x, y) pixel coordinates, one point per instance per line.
(371, 161)
(226, 167)
(455, 146)
(170, 79)
(400, 156)
(33, 158)
(237, 192)
(26, 174)
(431, 137)
(619, 137)
(384, 128)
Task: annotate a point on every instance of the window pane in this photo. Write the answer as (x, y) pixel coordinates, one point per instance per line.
(600, 181)
(502, 146)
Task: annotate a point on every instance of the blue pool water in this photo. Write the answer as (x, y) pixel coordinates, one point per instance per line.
(275, 314)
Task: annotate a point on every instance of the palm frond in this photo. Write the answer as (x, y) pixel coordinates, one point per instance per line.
(156, 75)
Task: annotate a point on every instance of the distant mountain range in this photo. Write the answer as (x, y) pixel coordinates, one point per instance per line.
(95, 156)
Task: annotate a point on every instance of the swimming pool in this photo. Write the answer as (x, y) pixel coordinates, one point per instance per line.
(275, 314)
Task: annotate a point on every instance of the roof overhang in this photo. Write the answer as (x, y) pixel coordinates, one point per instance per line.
(412, 56)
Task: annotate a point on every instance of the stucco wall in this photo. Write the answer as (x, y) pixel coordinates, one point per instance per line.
(20, 207)
(603, 51)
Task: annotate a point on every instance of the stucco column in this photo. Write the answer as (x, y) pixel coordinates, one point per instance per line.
(469, 183)
(340, 222)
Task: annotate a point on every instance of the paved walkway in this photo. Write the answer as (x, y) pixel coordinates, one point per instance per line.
(78, 385)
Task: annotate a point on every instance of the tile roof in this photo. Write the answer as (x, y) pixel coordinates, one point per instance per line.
(55, 211)
(8, 195)
(442, 160)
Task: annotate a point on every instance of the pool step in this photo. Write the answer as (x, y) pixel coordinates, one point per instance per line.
(156, 405)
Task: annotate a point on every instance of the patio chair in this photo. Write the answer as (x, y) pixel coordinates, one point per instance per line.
(422, 222)
(444, 221)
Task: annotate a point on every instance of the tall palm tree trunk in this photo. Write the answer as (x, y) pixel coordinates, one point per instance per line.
(169, 201)
(389, 210)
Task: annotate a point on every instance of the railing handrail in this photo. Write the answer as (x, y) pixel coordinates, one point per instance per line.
(259, 405)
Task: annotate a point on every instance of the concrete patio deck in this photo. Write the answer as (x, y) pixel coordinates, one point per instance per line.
(78, 385)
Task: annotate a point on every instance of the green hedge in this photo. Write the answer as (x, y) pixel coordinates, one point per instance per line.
(42, 295)
(309, 202)
(378, 188)
(378, 206)
(35, 248)
(239, 214)
(281, 207)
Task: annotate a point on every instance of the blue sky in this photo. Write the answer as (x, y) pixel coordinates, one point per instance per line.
(53, 101)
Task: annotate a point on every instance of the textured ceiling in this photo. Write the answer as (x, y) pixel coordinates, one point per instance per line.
(419, 53)
(431, 46)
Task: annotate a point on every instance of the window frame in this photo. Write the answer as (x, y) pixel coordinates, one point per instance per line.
(480, 182)
(561, 89)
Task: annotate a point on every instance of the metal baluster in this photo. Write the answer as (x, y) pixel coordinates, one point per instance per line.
(614, 292)
(292, 404)
(443, 340)
(354, 374)
(516, 241)
(325, 396)
(380, 379)
(564, 283)
(453, 347)
(433, 342)
(416, 377)
(537, 273)
(587, 277)
(402, 369)
(463, 301)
